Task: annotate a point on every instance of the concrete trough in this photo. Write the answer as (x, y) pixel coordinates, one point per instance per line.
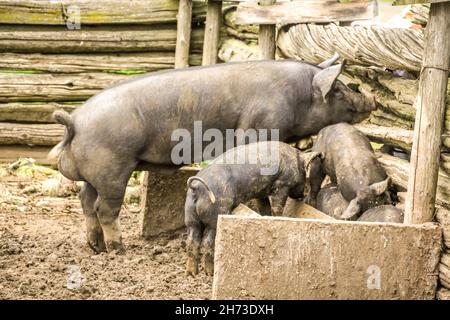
(163, 198)
(289, 258)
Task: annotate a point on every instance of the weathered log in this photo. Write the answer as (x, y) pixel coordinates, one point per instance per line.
(230, 21)
(376, 46)
(29, 112)
(31, 134)
(10, 153)
(50, 12)
(237, 50)
(398, 170)
(287, 12)
(444, 275)
(241, 35)
(267, 32)
(430, 104)
(76, 63)
(397, 137)
(54, 87)
(445, 260)
(443, 294)
(212, 33)
(382, 118)
(56, 39)
(418, 14)
(184, 30)
(443, 218)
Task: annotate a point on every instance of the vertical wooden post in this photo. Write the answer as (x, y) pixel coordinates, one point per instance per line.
(212, 32)
(267, 41)
(430, 105)
(184, 20)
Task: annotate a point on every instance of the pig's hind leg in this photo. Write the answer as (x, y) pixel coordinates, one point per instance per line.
(110, 181)
(194, 235)
(88, 196)
(209, 236)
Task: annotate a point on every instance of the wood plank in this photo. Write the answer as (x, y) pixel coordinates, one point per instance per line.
(299, 209)
(305, 12)
(54, 87)
(93, 62)
(10, 153)
(184, 26)
(58, 39)
(50, 12)
(32, 112)
(266, 38)
(405, 2)
(30, 134)
(397, 137)
(430, 105)
(212, 33)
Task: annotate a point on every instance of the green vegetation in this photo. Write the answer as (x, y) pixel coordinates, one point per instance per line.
(20, 71)
(127, 72)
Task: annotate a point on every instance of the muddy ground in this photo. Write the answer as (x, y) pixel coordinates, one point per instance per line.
(43, 253)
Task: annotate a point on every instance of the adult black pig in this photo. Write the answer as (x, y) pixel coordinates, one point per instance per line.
(131, 123)
(349, 160)
(277, 171)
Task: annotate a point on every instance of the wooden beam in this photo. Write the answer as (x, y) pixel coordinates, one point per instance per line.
(10, 153)
(212, 32)
(405, 2)
(267, 42)
(304, 11)
(94, 12)
(430, 104)
(184, 26)
(89, 39)
(122, 63)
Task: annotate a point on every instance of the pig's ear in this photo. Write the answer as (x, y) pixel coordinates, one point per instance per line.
(325, 79)
(379, 188)
(329, 62)
(351, 213)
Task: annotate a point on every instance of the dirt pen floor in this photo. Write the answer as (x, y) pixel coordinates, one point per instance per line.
(43, 238)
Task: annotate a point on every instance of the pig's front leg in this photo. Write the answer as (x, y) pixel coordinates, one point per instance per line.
(278, 201)
(316, 176)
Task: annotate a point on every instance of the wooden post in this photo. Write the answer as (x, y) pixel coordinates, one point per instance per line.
(267, 41)
(430, 104)
(184, 20)
(212, 32)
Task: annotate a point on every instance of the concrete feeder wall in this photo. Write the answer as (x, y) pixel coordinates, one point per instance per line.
(285, 258)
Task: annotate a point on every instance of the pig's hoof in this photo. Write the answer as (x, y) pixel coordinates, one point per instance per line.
(208, 264)
(116, 246)
(191, 267)
(96, 242)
